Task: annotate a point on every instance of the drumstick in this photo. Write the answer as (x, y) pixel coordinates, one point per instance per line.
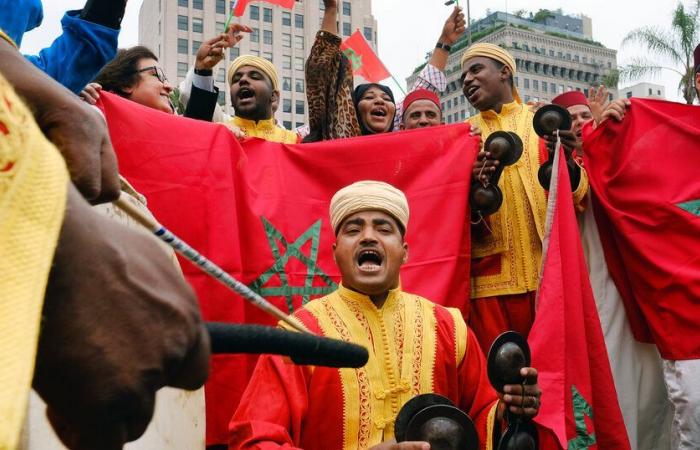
(205, 264)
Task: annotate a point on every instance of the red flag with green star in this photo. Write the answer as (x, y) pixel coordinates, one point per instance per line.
(260, 211)
(579, 401)
(644, 174)
(365, 62)
(238, 7)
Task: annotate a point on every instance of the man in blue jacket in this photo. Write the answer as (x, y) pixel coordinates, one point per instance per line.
(88, 42)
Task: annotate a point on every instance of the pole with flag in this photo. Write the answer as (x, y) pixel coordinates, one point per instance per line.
(365, 61)
(579, 401)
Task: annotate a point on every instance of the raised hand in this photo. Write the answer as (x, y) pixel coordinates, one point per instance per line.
(211, 52)
(597, 102)
(454, 27)
(616, 110)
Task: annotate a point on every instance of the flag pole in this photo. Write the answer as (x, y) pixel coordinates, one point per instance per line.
(399, 85)
(469, 24)
(205, 264)
(233, 4)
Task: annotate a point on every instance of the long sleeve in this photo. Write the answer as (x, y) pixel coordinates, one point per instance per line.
(75, 57)
(272, 410)
(201, 104)
(430, 78)
(329, 87)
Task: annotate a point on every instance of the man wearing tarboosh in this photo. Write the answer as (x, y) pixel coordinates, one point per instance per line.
(415, 347)
(506, 246)
(255, 86)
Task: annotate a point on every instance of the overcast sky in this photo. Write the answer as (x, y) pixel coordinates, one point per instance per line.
(409, 28)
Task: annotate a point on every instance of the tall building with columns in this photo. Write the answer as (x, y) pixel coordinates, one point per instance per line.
(174, 29)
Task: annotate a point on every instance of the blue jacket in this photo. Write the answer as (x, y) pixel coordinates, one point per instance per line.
(76, 56)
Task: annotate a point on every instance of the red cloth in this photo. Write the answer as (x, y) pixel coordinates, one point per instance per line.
(240, 5)
(420, 94)
(643, 172)
(571, 98)
(579, 402)
(364, 61)
(241, 206)
(491, 316)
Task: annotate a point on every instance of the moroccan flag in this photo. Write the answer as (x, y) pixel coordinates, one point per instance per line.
(260, 211)
(579, 402)
(364, 61)
(238, 6)
(644, 173)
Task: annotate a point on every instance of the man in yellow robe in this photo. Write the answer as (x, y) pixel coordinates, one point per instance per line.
(506, 246)
(255, 89)
(415, 347)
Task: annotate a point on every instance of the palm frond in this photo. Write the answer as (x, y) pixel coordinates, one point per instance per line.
(631, 72)
(656, 40)
(686, 26)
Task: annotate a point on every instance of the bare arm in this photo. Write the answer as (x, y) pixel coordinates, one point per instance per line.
(330, 16)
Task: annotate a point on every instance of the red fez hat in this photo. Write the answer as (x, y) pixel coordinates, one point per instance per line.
(421, 94)
(696, 57)
(571, 98)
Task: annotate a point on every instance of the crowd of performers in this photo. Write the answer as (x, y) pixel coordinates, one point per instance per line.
(97, 316)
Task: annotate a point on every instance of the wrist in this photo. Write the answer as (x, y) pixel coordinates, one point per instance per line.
(203, 71)
(441, 45)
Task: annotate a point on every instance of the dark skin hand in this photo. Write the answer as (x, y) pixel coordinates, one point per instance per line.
(570, 142)
(522, 400)
(119, 322)
(78, 130)
(484, 166)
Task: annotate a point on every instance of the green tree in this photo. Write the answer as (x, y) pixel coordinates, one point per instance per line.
(674, 49)
(542, 15)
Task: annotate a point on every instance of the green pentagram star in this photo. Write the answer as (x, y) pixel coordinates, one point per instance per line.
(584, 439)
(293, 250)
(354, 58)
(693, 207)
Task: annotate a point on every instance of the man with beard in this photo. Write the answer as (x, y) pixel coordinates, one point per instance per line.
(254, 86)
(415, 347)
(507, 246)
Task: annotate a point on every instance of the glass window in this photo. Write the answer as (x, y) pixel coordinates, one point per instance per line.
(527, 83)
(368, 33)
(286, 18)
(463, 115)
(195, 46)
(299, 63)
(449, 103)
(254, 12)
(182, 45)
(220, 27)
(553, 87)
(299, 107)
(234, 52)
(462, 99)
(221, 75)
(321, 5)
(267, 37)
(286, 84)
(286, 40)
(182, 23)
(198, 4)
(267, 56)
(346, 8)
(299, 124)
(288, 123)
(286, 62)
(182, 69)
(551, 53)
(221, 6)
(255, 35)
(298, 21)
(287, 106)
(544, 86)
(561, 89)
(535, 85)
(221, 98)
(299, 42)
(516, 80)
(183, 3)
(267, 15)
(197, 25)
(346, 29)
(299, 85)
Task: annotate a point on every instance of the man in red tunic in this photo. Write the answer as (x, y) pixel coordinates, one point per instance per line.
(415, 347)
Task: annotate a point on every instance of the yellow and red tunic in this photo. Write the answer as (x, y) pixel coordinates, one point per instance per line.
(265, 129)
(415, 347)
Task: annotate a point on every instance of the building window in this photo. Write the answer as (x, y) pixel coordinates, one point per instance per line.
(198, 4)
(221, 98)
(516, 80)
(561, 89)
(195, 46)
(651, 92)
(255, 52)
(254, 12)
(628, 94)
(288, 123)
(287, 106)
(321, 5)
(298, 20)
(535, 85)
(346, 8)
(182, 46)
(449, 103)
(286, 40)
(255, 35)
(368, 33)
(462, 99)
(298, 63)
(463, 115)
(182, 23)
(182, 3)
(267, 37)
(234, 52)
(299, 124)
(544, 86)
(658, 92)
(553, 87)
(559, 55)
(527, 83)
(221, 6)
(286, 62)
(182, 69)
(220, 27)
(346, 29)
(299, 85)
(286, 18)
(221, 75)
(267, 15)
(197, 25)
(551, 53)
(286, 84)
(267, 56)
(299, 42)
(299, 109)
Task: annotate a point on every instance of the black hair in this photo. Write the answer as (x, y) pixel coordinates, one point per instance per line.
(121, 73)
(357, 96)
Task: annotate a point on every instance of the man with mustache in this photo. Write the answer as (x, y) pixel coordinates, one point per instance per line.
(415, 347)
(507, 246)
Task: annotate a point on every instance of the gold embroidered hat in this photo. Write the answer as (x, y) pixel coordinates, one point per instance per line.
(368, 196)
(496, 53)
(259, 63)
